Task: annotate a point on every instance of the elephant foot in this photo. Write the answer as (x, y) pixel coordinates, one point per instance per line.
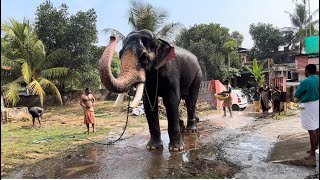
(153, 144)
(176, 146)
(192, 125)
(182, 127)
(175, 149)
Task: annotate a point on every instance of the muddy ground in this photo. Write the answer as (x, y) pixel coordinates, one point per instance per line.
(241, 147)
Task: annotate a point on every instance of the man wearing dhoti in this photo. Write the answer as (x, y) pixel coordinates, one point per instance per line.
(87, 102)
(308, 94)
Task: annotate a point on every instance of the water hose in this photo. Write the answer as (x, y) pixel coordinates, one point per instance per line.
(97, 142)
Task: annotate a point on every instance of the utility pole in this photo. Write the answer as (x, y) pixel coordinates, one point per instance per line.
(310, 34)
(229, 78)
(269, 72)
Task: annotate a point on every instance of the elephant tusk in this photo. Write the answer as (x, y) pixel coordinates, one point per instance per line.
(137, 98)
(119, 100)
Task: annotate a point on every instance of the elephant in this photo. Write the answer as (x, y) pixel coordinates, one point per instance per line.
(157, 69)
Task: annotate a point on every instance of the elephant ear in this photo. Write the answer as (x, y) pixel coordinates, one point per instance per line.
(165, 53)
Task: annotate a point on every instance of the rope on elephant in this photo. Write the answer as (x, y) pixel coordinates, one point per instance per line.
(97, 142)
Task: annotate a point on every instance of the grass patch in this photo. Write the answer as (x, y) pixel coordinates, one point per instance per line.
(20, 144)
(63, 129)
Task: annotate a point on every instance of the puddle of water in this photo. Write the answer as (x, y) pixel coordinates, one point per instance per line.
(126, 159)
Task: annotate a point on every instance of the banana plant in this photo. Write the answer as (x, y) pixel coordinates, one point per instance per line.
(257, 71)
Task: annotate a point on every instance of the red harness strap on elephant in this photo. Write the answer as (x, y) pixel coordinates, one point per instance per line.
(170, 57)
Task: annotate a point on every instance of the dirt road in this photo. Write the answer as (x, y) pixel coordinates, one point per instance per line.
(241, 147)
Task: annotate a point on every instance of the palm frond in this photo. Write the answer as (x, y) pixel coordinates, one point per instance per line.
(54, 72)
(72, 79)
(295, 20)
(48, 84)
(169, 30)
(11, 91)
(312, 15)
(35, 87)
(115, 32)
(38, 46)
(52, 59)
(26, 72)
(5, 61)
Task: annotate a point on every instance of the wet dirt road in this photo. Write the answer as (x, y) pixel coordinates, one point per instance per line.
(223, 148)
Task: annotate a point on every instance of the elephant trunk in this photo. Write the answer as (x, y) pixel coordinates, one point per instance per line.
(131, 72)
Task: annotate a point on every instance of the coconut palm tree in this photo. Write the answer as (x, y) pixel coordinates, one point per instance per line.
(299, 19)
(145, 16)
(24, 63)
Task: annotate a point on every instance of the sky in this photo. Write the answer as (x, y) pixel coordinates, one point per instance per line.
(237, 15)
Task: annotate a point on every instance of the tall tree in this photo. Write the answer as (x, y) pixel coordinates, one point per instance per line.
(267, 39)
(76, 34)
(229, 47)
(237, 37)
(146, 16)
(299, 20)
(28, 64)
(207, 42)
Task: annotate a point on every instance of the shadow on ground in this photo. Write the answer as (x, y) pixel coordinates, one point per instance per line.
(291, 149)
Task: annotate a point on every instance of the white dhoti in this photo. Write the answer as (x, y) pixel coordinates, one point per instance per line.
(310, 115)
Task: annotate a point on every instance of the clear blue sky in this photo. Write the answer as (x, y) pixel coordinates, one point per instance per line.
(234, 14)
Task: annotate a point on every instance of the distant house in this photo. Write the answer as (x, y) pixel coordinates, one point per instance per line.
(302, 60)
(243, 55)
(310, 57)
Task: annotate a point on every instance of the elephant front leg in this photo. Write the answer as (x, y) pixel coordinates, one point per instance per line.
(191, 108)
(176, 142)
(192, 118)
(154, 127)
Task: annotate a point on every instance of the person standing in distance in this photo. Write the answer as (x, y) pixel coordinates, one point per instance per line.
(87, 102)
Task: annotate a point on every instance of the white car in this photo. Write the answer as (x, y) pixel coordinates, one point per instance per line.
(239, 100)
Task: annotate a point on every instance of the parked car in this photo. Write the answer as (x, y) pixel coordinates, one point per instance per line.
(239, 100)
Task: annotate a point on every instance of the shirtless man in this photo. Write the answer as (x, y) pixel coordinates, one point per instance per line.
(87, 102)
(36, 112)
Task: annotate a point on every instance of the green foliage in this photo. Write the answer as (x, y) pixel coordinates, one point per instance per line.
(230, 46)
(211, 43)
(267, 39)
(115, 65)
(146, 16)
(300, 21)
(29, 65)
(73, 33)
(237, 37)
(257, 71)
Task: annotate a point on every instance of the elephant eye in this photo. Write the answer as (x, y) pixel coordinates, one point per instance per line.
(120, 53)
